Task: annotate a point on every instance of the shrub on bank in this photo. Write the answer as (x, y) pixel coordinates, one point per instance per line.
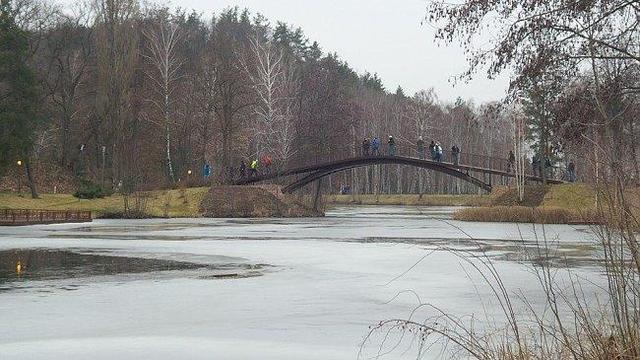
(523, 214)
(121, 214)
(90, 190)
(253, 201)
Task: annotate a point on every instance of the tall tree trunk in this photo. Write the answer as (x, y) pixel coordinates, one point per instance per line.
(32, 184)
(64, 158)
(168, 154)
(225, 152)
(634, 152)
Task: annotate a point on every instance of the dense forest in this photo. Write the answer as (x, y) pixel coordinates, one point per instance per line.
(138, 95)
(134, 96)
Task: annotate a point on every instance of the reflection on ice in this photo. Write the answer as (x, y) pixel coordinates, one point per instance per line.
(32, 268)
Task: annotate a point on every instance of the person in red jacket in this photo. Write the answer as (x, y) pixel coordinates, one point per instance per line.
(266, 163)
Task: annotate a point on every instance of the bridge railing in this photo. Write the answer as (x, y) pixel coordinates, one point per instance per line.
(477, 160)
(464, 158)
(491, 164)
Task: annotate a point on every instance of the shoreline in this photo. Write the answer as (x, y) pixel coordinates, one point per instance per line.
(558, 204)
(408, 199)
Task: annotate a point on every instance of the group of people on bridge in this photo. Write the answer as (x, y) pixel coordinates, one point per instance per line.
(537, 167)
(435, 153)
(264, 163)
(372, 148)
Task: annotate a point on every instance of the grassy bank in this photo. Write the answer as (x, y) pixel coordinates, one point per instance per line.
(523, 214)
(409, 199)
(160, 203)
(556, 204)
(553, 204)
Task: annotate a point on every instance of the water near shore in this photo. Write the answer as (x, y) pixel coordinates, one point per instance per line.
(259, 288)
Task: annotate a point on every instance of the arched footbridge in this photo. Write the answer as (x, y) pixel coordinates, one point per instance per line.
(318, 171)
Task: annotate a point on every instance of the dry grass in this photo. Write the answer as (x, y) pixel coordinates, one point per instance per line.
(161, 203)
(570, 196)
(409, 199)
(522, 214)
(533, 196)
(234, 201)
(574, 323)
(556, 204)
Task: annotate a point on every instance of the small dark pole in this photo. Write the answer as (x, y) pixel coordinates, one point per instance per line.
(81, 171)
(317, 197)
(19, 163)
(104, 150)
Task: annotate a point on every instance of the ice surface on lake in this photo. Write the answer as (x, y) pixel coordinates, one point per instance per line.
(324, 281)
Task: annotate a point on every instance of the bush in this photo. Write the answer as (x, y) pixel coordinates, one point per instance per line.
(121, 214)
(90, 190)
(523, 214)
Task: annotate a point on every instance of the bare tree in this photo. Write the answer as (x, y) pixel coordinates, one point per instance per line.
(65, 65)
(112, 124)
(36, 17)
(232, 90)
(205, 83)
(262, 64)
(422, 110)
(276, 85)
(162, 40)
(285, 129)
(519, 139)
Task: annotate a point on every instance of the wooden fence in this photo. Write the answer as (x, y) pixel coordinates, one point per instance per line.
(11, 217)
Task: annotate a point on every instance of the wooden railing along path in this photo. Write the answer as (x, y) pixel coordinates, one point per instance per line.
(13, 217)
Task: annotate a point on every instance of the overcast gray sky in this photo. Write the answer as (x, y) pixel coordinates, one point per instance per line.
(381, 36)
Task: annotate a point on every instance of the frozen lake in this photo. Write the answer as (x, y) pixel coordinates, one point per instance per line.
(257, 288)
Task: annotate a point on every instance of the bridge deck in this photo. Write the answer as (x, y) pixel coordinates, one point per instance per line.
(385, 159)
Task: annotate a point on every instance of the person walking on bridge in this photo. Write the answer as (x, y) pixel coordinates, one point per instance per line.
(253, 169)
(391, 143)
(548, 167)
(420, 147)
(455, 155)
(432, 150)
(266, 163)
(535, 164)
(438, 152)
(375, 146)
(511, 161)
(365, 147)
(571, 171)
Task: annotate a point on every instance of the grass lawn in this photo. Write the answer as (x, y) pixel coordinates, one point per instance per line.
(555, 204)
(570, 196)
(172, 203)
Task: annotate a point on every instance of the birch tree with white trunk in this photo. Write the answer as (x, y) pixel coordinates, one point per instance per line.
(519, 142)
(162, 41)
(287, 109)
(275, 85)
(422, 109)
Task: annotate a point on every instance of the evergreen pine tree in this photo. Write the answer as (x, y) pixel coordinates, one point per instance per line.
(18, 94)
